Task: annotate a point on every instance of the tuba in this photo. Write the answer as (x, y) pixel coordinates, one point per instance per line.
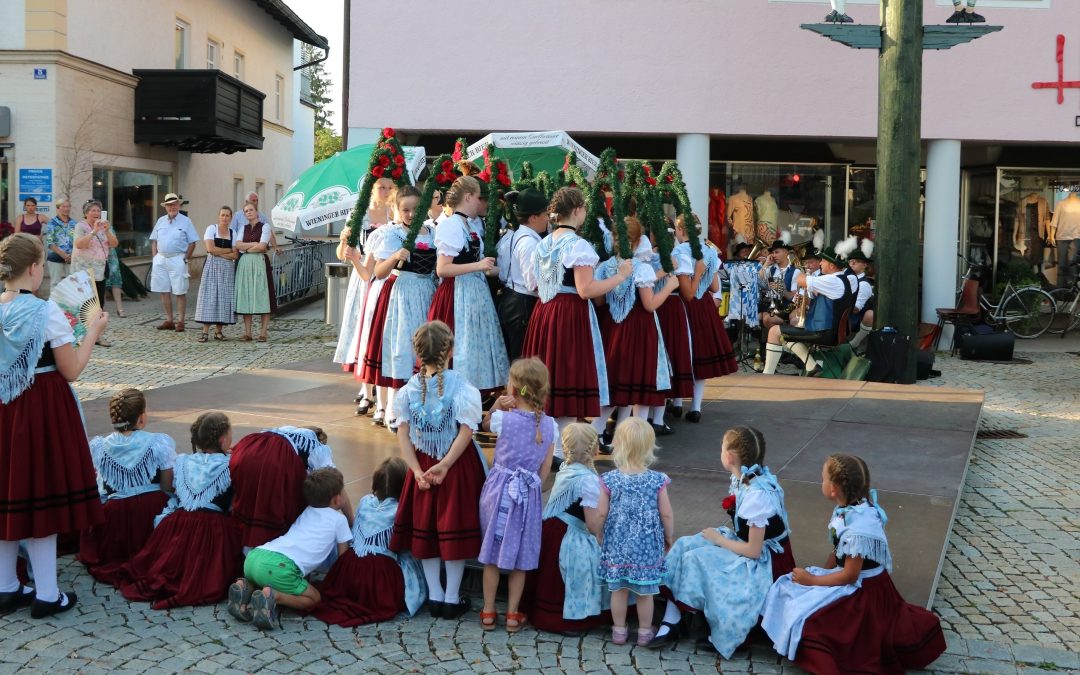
(800, 303)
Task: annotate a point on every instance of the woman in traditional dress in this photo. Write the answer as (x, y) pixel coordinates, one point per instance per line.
(254, 291)
(48, 484)
(217, 290)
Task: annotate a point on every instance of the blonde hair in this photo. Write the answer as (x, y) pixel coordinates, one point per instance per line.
(579, 443)
(463, 185)
(17, 253)
(528, 381)
(635, 443)
(432, 343)
(389, 198)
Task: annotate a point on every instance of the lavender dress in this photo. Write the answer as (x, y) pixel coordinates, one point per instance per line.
(510, 504)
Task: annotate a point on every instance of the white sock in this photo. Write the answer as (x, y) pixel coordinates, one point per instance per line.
(803, 352)
(599, 423)
(42, 553)
(699, 394)
(9, 558)
(365, 390)
(658, 415)
(772, 358)
(838, 5)
(380, 395)
(433, 576)
(864, 330)
(623, 414)
(676, 403)
(455, 570)
(642, 411)
(672, 615)
(391, 396)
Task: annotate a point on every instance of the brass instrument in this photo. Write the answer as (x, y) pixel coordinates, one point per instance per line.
(800, 302)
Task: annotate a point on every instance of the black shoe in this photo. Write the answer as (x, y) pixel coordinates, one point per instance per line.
(957, 17)
(606, 449)
(40, 609)
(364, 407)
(972, 17)
(675, 411)
(668, 639)
(573, 633)
(607, 436)
(435, 608)
(454, 611)
(17, 599)
(832, 17)
(693, 417)
(662, 429)
(816, 372)
(844, 18)
(703, 645)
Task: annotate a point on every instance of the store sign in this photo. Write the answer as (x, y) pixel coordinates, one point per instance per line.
(36, 183)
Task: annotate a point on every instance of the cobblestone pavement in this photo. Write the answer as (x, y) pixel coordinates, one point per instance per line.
(1008, 594)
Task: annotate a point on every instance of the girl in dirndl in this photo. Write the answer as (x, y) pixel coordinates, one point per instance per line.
(370, 583)
(135, 478)
(637, 360)
(268, 471)
(712, 352)
(409, 298)
(849, 618)
(194, 553)
(254, 288)
(463, 299)
(510, 504)
(217, 289)
(438, 518)
(564, 595)
(723, 572)
(48, 484)
(564, 332)
(675, 331)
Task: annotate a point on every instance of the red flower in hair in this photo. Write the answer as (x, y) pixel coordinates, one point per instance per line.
(485, 175)
(399, 160)
(447, 166)
(384, 161)
(504, 180)
(388, 132)
(729, 503)
(378, 172)
(396, 173)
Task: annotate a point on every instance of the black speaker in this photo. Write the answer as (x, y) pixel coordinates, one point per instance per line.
(988, 347)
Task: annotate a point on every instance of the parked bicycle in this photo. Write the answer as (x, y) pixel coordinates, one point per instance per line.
(1068, 309)
(1027, 311)
(298, 270)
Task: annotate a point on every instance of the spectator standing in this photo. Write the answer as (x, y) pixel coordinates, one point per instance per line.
(93, 237)
(172, 242)
(238, 221)
(253, 288)
(217, 291)
(59, 240)
(30, 221)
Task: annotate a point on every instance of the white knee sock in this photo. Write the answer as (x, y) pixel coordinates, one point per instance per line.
(42, 553)
(672, 615)
(599, 423)
(658, 415)
(455, 570)
(380, 396)
(864, 330)
(772, 358)
(9, 557)
(642, 411)
(839, 5)
(803, 352)
(391, 396)
(699, 394)
(365, 391)
(676, 403)
(433, 576)
(623, 414)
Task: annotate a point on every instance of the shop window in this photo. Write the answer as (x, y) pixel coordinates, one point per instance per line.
(131, 198)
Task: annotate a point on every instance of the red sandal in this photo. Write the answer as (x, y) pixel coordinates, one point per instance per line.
(519, 620)
(487, 620)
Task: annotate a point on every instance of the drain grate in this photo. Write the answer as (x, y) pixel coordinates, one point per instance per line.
(998, 434)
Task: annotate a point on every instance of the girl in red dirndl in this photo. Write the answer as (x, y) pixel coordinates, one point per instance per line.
(850, 618)
(369, 583)
(268, 471)
(438, 517)
(135, 478)
(48, 484)
(194, 553)
(675, 329)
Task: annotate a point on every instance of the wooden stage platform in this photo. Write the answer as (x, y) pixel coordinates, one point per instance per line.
(916, 440)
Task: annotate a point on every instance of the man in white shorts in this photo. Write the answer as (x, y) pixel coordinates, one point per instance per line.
(172, 242)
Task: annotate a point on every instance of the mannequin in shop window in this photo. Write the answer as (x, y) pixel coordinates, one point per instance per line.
(740, 214)
(765, 206)
(717, 213)
(1065, 230)
(1031, 227)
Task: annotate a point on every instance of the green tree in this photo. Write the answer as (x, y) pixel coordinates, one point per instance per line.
(319, 87)
(326, 144)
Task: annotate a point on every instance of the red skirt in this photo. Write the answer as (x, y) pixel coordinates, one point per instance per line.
(190, 559)
(676, 331)
(268, 486)
(443, 521)
(783, 562)
(870, 631)
(48, 486)
(632, 348)
(129, 522)
(560, 335)
(358, 591)
(442, 303)
(545, 591)
(371, 372)
(713, 355)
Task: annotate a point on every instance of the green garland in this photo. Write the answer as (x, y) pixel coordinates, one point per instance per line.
(526, 171)
(670, 182)
(596, 202)
(495, 178)
(544, 183)
(440, 177)
(638, 187)
(387, 161)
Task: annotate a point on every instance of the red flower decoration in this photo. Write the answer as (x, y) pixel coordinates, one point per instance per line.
(378, 172)
(384, 161)
(396, 173)
(447, 166)
(485, 175)
(446, 177)
(388, 132)
(399, 160)
(422, 246)
(504, 180)
(650, 181)
(729, 503)
(670, 178)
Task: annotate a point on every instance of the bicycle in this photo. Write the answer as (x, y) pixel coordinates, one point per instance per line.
(1068, 309)
(1027, 311)
(300, 267)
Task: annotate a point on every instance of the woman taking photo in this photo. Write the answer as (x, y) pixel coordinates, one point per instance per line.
(253, 289)
(217, 290)
(93, 239)
(49, 484)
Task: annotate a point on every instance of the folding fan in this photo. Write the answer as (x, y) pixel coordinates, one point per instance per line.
(77, 297)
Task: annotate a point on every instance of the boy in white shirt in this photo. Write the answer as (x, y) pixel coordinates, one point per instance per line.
(280, 567)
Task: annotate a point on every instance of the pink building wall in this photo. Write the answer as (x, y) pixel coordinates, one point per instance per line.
(722, 67)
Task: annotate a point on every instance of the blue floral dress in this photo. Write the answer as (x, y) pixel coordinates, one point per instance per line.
(632, 556)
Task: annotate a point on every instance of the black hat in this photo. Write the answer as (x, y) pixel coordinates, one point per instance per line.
(812, 253)
(527, 202)
(779, 244)
(864, 252)
(740, 247)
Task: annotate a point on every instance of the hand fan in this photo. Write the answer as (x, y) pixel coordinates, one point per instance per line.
(77, 298)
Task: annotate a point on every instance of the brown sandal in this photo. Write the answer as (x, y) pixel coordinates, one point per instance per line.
(203, 337)
(487, 620)
(261, 338)
(519, 620)
(246, 338)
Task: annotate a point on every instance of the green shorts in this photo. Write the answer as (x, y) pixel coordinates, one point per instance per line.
(268, 568)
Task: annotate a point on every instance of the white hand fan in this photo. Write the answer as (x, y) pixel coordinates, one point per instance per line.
(77, 297)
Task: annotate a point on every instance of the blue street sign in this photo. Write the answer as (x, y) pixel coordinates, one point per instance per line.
(41, 74)
(35, 181)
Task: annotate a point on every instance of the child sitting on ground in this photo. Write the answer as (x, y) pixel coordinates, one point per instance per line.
(280, 567)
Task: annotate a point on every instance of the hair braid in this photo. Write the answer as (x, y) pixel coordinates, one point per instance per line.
(423, 387)
(851, 475)
(207, 430)
(125, 409)
(539, 436)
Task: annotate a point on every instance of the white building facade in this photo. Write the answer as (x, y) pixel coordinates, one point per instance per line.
(69, 75)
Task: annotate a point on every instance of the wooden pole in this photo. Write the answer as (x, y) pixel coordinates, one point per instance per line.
(898, 162)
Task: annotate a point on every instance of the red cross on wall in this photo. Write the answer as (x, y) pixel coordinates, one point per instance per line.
(1061, 84)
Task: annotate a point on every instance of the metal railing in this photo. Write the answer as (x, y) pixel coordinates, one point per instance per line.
(298, 271)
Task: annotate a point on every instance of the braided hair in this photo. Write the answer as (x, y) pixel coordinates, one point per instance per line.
(851, 474)
(564, 202)
(125, 409)
(579, 443)
(528, 381)
(748, 446)
(207, 430)
(432, 343)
